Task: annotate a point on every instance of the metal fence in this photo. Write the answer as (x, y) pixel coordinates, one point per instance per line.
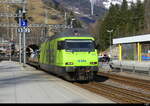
(142, 68)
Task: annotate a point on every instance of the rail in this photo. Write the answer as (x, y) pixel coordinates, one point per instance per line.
(138, 90)
(143, 84)
(116, 94)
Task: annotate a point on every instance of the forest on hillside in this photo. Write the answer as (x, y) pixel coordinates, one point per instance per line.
(124, 21)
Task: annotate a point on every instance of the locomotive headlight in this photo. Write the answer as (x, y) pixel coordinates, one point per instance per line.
(69, 63)
(93, 62)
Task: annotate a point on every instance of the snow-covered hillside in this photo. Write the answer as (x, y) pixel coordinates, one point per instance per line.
(107, 3)
(94, 8)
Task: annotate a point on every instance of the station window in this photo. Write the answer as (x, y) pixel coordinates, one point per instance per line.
(130, 52)
(146, 51)
(115, 52)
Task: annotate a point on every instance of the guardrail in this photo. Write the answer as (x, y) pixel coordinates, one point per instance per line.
(131, 66)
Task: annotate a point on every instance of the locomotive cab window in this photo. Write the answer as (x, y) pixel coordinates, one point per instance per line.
(79, 45)
(61, 45)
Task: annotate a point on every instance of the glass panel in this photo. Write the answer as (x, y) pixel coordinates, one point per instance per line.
(146, 52)
(115, 52)
(80, 45)
(130, 52)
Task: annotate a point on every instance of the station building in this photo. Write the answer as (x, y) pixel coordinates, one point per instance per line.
(132, 53)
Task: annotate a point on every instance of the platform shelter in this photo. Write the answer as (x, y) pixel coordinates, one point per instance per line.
(132, 54)
(135, 48)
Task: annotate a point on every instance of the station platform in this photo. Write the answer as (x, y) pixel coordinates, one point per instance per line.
(28, 85)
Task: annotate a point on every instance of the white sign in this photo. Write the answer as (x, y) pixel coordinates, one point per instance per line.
(24, 29)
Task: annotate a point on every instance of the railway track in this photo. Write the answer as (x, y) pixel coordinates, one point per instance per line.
(116, 94)
(139, 83)
(120, 94)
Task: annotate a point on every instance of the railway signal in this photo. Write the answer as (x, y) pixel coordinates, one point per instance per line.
(23, 23)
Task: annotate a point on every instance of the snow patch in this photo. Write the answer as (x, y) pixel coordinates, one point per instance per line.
(107, 3)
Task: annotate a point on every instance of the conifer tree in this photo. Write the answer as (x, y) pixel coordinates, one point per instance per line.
(124, 20)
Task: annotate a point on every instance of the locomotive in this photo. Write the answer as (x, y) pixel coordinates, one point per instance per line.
(71, 54)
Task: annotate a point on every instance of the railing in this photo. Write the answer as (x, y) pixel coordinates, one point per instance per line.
(132, 66)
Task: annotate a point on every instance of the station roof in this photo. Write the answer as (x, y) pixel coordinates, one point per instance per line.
(133, 39)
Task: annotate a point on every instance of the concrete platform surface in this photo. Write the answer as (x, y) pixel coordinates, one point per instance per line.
(28, 85)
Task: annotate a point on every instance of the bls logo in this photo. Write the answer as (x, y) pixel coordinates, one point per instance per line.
(81, 60)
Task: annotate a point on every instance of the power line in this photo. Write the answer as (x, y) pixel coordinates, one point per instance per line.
(53, 26)
(12, 15)
(9, 15)
(13, 2)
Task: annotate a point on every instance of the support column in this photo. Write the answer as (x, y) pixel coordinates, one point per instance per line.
(139, 52)
(120, 52)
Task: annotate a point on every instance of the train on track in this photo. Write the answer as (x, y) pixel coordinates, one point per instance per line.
(71, 54)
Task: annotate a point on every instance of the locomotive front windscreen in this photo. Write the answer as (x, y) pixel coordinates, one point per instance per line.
(80, 45)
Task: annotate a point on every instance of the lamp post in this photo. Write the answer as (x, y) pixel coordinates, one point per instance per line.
(73, 19)
(110, 31)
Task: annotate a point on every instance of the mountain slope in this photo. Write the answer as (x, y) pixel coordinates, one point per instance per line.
(36, 14)
(38, 10)
(84, 6)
